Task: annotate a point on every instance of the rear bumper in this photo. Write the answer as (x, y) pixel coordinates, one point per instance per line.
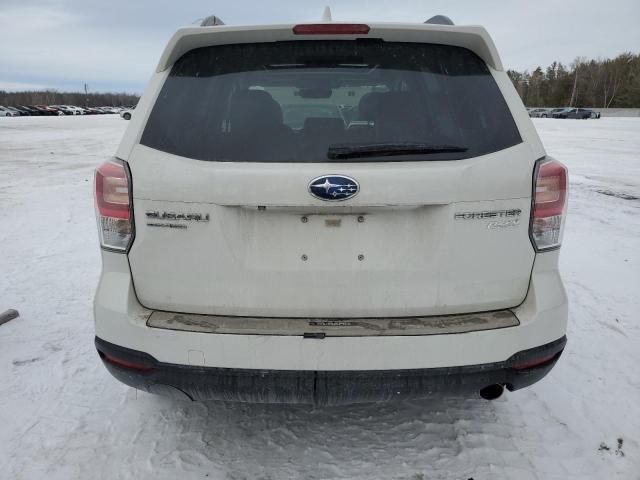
(121, 320)
(142, 371)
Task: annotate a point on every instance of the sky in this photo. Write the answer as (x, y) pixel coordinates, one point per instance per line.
(114, 45)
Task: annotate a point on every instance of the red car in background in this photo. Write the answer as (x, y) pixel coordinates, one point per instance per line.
(46, 110)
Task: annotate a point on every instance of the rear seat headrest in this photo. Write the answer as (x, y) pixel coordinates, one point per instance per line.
(253, 109)
(368, 105)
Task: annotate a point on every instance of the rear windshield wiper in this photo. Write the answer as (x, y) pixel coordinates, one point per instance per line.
(337, 152)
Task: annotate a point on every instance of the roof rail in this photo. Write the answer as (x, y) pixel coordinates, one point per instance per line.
(211, 21)
(440, 20)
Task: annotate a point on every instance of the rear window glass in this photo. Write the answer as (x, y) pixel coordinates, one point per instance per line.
(330, 101)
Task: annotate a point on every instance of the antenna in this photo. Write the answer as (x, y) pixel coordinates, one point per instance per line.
(326, 15)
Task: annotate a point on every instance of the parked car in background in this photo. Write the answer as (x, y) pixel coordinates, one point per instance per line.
(33, 111)
(47, 110)
(560, 112)
(576, 113)
(539, 113)
(30, 111)
(23, 111)
(6, 112)
(19, 111)
(553, 111)
(126, 114)
(64, 109)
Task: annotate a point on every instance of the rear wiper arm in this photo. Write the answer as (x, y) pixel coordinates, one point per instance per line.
(337, 152)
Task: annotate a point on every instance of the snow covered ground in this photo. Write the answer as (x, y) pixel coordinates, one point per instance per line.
(62, 416)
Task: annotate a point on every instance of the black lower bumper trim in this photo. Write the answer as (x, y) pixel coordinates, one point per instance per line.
(323, 387)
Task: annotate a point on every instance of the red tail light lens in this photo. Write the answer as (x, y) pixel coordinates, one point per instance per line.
(549, 205)
(331, 29)
(113, 205)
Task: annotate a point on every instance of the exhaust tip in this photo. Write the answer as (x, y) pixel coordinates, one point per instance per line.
(491, 392)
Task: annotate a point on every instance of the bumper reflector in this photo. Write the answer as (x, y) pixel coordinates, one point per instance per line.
(538, 362)
(125, 363)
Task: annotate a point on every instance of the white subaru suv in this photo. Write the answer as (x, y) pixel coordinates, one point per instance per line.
(330, 213)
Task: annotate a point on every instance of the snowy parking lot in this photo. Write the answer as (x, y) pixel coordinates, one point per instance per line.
(62, 416)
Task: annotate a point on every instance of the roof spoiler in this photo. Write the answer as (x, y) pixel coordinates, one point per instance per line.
(474, 38)
(212, 20)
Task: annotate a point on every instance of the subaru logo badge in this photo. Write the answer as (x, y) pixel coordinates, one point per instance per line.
(333, 188)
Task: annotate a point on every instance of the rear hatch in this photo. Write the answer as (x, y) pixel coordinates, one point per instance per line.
(331, 178)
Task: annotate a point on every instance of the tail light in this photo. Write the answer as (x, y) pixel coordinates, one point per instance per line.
(114, 205)
(549, 205)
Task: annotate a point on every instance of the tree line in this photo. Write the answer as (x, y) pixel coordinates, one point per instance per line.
(53, 97)
(601, 83)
